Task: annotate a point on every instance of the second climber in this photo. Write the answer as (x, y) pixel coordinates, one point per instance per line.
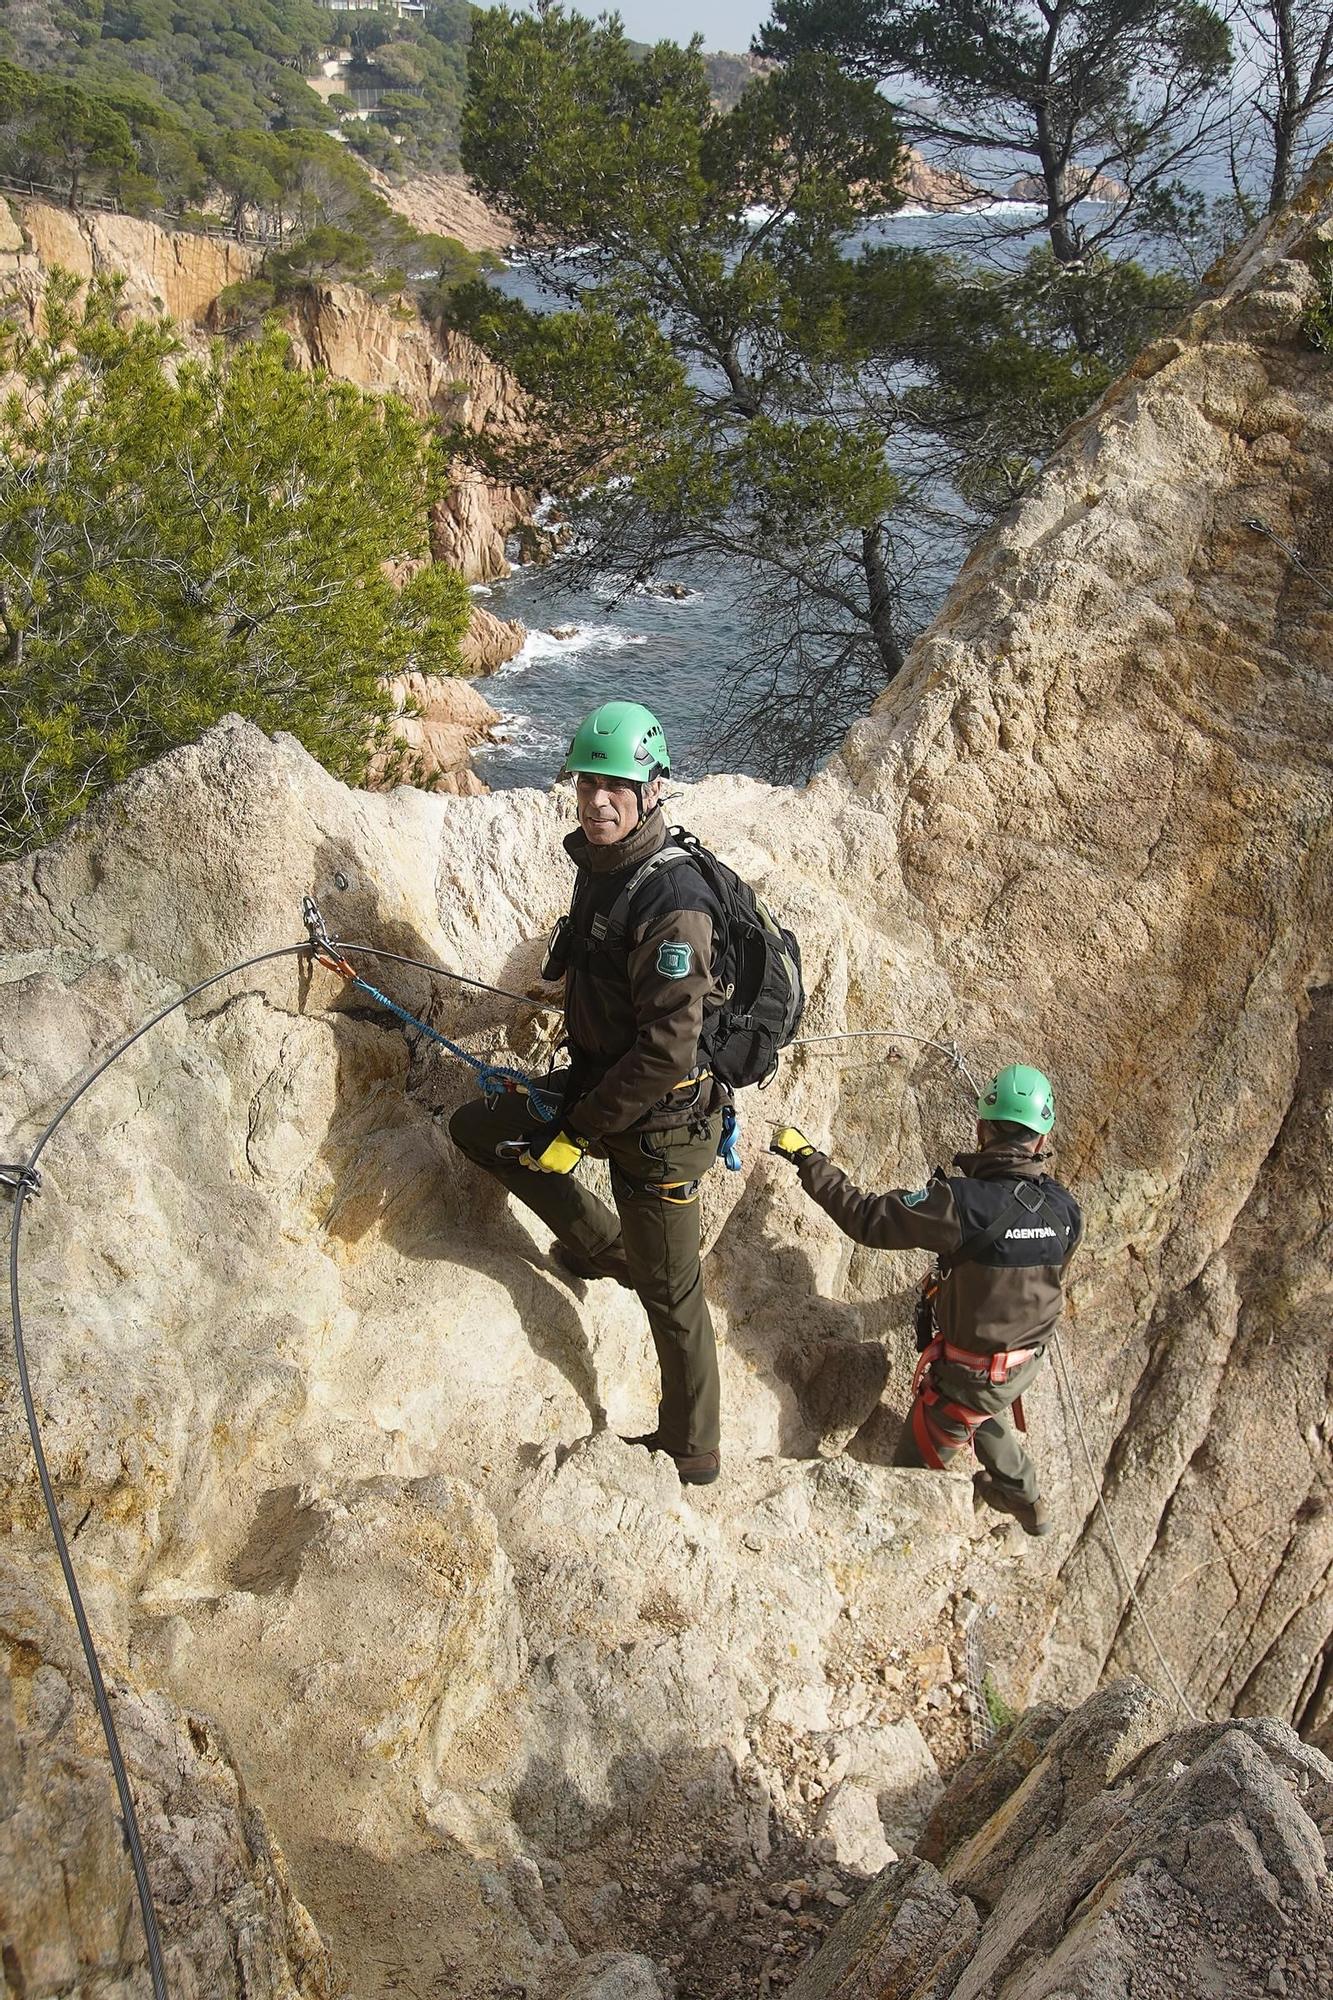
(1003, 1231)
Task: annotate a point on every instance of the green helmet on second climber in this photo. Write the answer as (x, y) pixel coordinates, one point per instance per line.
(1019, 1095)
(621, 739)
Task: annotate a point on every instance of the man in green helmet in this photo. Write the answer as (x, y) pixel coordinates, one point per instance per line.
(1003, 1232)
(637, 952)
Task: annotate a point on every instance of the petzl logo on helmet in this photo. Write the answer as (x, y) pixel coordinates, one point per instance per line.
(673, 960)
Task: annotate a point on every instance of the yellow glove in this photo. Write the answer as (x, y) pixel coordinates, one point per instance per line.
(791, 1143)
(560, 1154)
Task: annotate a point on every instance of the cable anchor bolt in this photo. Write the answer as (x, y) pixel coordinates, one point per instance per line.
(323, 948)
(16, 1178)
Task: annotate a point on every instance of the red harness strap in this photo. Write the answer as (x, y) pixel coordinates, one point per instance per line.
(931, 1439)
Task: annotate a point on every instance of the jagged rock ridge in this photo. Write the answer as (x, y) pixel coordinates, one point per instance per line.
(1085, 1857)
(311, 1392)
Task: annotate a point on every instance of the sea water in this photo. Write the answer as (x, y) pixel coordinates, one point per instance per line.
(674, 643)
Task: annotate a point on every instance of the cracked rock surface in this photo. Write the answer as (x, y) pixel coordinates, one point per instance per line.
(340, 1443)
(1122, 1864)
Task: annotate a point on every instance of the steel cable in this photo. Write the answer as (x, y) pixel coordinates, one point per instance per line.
(23, 1180)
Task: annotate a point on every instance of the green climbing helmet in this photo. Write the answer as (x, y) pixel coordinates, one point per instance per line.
(1019, 1095)
(621, 739)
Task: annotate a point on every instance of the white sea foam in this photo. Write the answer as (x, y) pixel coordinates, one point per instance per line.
(480, 590)
(584, 639)
(522, 732)
(915, 211)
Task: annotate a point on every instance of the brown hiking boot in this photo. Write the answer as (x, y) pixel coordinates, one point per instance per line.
(1032, 1516)
(700, 1469)
(610, 1264)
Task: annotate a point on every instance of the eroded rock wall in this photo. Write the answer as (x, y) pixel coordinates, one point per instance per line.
(341, 1442)
(1089, 1859)
(361, 340)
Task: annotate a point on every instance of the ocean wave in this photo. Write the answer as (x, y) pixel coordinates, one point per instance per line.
(661, 590)
(583, 639)
(524, 733)
(915, 211)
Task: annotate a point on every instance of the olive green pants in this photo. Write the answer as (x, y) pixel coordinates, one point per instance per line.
(653, 1176)
(996, 1443)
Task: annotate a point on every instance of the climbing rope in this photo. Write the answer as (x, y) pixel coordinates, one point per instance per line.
(1258, 527)
(494, 1079)
(25, 1181)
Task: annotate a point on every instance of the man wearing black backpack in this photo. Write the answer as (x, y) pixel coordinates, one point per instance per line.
(641, 952)
(1003, 1231)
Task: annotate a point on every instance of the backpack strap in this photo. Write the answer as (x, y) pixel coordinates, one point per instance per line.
(612, 930)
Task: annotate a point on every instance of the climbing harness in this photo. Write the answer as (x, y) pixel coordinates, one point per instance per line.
(494, 1079)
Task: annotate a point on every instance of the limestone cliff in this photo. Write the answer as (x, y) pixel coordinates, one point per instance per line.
(359, 339)
(362, 340)
(340, 1443)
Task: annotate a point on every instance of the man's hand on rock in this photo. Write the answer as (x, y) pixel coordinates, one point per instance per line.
(554, 1152)
(791, 1143)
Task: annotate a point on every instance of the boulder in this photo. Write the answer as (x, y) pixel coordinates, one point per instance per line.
(850, 1830)
(1197, 1867)
(618, 1975)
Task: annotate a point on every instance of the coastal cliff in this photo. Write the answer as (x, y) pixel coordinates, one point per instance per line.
(439, 373)
(517, 1713)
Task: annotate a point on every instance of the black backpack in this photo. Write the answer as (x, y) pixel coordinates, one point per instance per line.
(760, 973)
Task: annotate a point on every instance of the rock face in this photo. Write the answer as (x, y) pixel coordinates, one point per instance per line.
(440, 373)
(446, 205)
(440, 719)
(340, 1443)
(939, 189)
(1111, 1864)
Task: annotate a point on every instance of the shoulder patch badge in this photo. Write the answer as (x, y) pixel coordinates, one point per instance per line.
(674, 959)
(915, 1200)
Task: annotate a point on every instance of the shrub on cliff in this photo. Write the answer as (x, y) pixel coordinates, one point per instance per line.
(180, 539)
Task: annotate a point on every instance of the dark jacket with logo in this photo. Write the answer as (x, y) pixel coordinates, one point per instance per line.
(635, 1009)
(1010, 1296)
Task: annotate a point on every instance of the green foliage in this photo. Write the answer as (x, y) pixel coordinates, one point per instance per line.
(302, 187)
(1120, 87)
(180, 539)
(243, 307)
(830, 420)
(218, 63)
(997, 1708)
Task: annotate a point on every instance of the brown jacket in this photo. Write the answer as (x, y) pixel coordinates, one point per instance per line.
(1010, 1296)
(635, 1008)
